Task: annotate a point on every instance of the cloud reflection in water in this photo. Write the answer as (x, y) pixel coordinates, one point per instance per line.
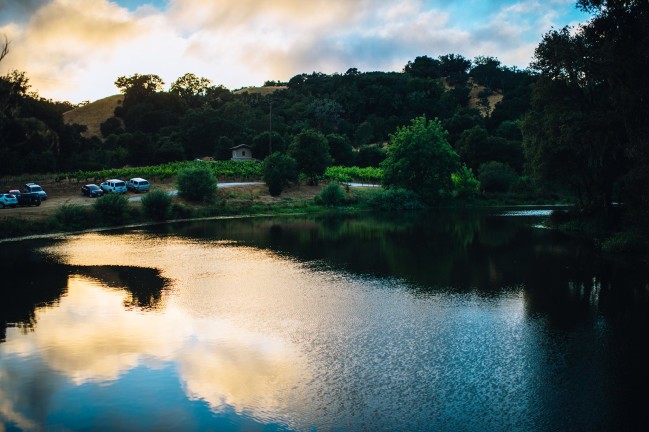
(90, 337)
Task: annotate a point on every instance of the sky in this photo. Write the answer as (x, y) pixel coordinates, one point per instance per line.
(74, 50)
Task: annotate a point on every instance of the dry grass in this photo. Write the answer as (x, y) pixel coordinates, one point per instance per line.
(94, 114)
(260, 90)
(474, 100)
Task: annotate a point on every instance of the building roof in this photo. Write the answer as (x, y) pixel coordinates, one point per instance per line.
(240, 146)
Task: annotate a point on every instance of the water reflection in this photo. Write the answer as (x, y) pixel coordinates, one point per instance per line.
(450, 321)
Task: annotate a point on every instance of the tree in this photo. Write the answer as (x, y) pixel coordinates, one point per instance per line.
(455, 67)
(496, 177)
(421, 160)
(617, 45)
(279, 170)
(574, 137)
(423, 67)
(191, 89)
(311, 152)
(260, 144)
(341, 149)
(137, 87)
(5, 48)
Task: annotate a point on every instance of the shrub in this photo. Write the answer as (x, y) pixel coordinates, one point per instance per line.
(196, 184)
(181, 211)
(625, 242)
(157, 205)
(71, 216)
(496, 177)
(112, 207)
(111, 126)
(331, 195)
(278, 171)
(465, 185)
(395, 199)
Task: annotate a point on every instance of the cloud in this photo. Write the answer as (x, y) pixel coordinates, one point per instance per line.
(18, 10)
(218, 362)
(74, 49)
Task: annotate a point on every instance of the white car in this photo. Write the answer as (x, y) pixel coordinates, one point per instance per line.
(113, 186)
(8, 200)
(138, 184)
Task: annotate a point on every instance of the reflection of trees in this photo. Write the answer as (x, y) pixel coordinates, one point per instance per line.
(144, 285)
(29, 280)
(32, 279)
(457, 250)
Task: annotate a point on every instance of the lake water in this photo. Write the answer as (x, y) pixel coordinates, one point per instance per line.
(447, 321)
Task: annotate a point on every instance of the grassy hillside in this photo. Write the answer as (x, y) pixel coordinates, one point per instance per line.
(94, 114)
(260, 90)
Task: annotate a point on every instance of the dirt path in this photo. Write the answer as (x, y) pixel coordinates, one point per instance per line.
(61, 193)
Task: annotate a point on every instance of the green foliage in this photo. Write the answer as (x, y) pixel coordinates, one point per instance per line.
(395, 199)
(465, 185)
(190, 88)
(196, 119)
(420, 159)
(157, 205)
(262, 142)
(331, 195)
(137, 86)
(341, 150)
(340, 174)
(196, 183)
(221, 169)
(311, 152)
(110, 126)
(370, 156)
(279, 170)
(631, 241)
(72, 216)
(423, 67)
(496, 177)
(111, 208)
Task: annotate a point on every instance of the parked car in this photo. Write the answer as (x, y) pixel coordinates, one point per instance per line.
(113, 186)
(28, 199)
(8, 200)
(138, 184)
(91, 190)
(14, 192)
(34, 188)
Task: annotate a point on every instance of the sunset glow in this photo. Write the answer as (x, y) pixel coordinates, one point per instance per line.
(74, 50)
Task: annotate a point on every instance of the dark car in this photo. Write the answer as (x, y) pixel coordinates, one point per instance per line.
(91, 190)
(28, 199)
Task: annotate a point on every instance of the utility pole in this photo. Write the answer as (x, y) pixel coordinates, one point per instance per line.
(270, 128)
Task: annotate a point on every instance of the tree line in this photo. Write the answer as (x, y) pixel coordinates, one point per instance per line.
(351, 114)
(574, 123)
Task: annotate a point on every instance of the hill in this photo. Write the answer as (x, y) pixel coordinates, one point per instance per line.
(266, 90)
(94, 114)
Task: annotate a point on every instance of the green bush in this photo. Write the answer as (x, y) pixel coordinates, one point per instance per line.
(465, 185)
(72, 216)
(331, 195)
(111, 208)
(496, 177)
(181, 211)
(625, 242)
(196, 184)
(157, 205)
(395, 199)
(278, 171)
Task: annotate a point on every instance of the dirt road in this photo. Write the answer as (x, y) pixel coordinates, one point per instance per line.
(61, 193)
